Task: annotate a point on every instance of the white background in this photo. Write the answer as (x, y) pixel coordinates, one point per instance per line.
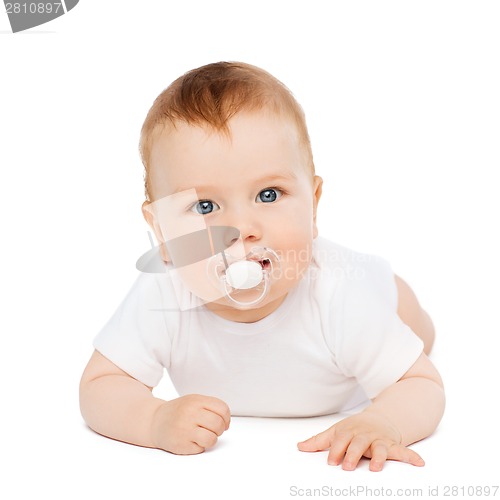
(402, 101)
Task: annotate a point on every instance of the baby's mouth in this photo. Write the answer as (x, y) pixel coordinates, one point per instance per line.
(265, 263)
(235, 276)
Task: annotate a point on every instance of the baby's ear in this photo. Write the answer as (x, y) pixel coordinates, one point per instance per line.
(150, 218)
(317, 190)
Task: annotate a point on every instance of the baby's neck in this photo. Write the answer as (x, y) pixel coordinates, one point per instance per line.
(245, 316)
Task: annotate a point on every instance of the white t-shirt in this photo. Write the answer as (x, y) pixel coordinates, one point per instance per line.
(335, 336)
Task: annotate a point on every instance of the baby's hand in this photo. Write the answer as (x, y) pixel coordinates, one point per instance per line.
(190, 424)
(366, 434)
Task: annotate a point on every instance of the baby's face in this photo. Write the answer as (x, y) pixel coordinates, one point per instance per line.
(256, 180)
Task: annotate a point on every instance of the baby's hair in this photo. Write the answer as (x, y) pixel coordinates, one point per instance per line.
(211, 95)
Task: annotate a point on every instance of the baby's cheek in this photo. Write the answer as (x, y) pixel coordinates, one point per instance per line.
(294, 271)
(295, 259)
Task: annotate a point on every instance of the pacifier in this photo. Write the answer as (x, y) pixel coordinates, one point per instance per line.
(244, 282)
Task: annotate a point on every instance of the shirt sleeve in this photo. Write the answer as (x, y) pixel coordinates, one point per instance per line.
(374, 346)
(136, 336)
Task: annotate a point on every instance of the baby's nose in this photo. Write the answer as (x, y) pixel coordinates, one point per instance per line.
(246, 220)
(249, 231)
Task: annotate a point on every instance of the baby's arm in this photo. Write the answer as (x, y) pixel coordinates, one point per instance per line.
(118, 406)
(404, 413)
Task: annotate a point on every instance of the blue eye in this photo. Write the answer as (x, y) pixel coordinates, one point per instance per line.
(205, 207)
(269, 195)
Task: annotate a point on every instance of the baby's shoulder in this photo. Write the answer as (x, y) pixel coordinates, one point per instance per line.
(151, 291)
(350, 273)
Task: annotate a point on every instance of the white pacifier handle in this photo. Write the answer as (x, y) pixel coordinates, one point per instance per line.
(244, 274)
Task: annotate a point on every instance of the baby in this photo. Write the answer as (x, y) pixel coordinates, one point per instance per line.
(249, 310)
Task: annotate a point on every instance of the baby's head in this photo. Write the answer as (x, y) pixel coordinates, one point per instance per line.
(227, 145)
(209, 96)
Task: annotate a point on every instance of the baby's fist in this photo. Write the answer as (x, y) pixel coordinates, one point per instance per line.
(190, 424)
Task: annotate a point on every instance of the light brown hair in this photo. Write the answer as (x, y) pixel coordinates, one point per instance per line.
(212, 94)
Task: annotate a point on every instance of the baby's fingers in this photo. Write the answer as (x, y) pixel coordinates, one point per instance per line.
(319, 442)
(347, 450)
(379, 454)
(402, 454)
